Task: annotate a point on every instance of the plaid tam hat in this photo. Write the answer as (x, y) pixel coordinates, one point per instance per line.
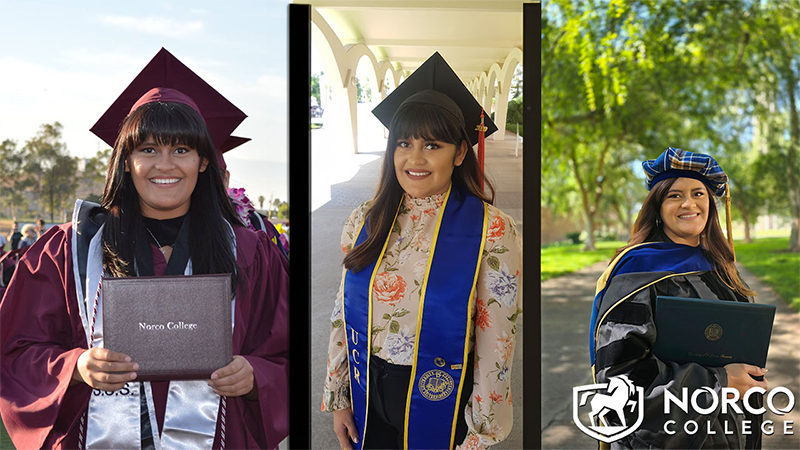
(677, 163)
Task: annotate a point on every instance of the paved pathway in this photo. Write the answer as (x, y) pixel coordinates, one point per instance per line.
(566, 310)
(503, 168)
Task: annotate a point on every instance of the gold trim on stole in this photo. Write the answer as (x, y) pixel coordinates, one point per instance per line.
(469, 321)
(369, 319)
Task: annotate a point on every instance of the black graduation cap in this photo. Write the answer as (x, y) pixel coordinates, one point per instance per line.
(435, 75)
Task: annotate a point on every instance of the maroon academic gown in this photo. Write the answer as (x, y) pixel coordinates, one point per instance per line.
(41, 337)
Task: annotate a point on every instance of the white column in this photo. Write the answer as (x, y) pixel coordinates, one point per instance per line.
(501, 112)
(487, 100)
(352, 113)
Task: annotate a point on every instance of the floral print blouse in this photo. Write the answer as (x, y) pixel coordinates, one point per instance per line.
(396, 296)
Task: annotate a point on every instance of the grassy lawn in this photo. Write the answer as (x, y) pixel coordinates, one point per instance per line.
(5, 441)
(765, 258)
(768, 260)
(564, 259)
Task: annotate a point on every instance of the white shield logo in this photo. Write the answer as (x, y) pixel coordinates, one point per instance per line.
(619, 394)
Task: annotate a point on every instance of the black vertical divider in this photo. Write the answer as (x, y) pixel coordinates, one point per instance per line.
(532, 226)
(299, 157)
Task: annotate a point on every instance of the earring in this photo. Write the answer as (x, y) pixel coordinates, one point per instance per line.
(658, 222)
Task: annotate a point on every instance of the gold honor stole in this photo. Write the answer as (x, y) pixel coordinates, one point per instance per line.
(443, 325)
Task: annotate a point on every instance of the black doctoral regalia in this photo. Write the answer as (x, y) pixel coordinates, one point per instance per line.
(623, 333)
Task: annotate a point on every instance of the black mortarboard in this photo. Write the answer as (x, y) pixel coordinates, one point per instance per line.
(167, 72)
(435, 75)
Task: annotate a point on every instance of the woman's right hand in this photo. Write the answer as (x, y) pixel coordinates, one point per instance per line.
(345, 428)
(103, 369)
(740, 379)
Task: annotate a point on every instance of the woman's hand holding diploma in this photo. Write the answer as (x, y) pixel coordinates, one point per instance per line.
(235, 380)
(103, 369)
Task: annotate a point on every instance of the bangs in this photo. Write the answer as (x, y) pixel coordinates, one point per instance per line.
(168, 124)
(427, 122)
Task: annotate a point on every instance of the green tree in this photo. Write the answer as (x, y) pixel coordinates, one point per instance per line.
(623, 198)
(514, 115)
(12, 178)
(315, 91)
(516, 83)
(275, 205)
(94, 172)
(747, 190)
(621, 81)
(60, 184)
(363, 90)
(770, 170)
(772, 59)
(261, 202)
(283, 210)
(51, 171)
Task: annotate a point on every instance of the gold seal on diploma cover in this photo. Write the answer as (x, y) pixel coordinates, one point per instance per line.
(713, 332)
(436, 385)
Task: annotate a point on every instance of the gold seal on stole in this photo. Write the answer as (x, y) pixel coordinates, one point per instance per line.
(713, 332)
(436, 385)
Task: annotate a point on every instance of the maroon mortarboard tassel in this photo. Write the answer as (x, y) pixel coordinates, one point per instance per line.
(165, 71)
(481, 144)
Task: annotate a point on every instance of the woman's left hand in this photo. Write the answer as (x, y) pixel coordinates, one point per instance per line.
(234, 380)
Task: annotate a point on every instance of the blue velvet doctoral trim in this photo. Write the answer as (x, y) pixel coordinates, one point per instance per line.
(445, 307)
(650, 257)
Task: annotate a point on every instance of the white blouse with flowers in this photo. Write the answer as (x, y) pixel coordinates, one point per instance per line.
(397, 291)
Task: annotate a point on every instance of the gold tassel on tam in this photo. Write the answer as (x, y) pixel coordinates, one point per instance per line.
(728, 218)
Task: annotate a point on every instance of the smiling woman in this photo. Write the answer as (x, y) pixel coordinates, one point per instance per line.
(164, 211)
(684, 211)
(424, 167)
(164, 177)
(424, 325)
(677, 249)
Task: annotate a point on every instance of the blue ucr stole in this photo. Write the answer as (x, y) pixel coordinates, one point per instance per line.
(443, 325)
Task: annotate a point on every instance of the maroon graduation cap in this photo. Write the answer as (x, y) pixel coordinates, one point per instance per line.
(232, 142)
(166, 71)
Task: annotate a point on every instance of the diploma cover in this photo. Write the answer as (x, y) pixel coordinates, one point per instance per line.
(712, 333)
(174, 327)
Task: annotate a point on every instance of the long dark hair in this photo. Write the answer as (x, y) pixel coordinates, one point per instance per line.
(420, 121)
(712, 242)
(167, 123)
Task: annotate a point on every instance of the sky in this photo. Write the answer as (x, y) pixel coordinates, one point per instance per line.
(68, 61)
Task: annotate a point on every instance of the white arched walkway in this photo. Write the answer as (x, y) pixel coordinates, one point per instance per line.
(341, 62)
(495, 87)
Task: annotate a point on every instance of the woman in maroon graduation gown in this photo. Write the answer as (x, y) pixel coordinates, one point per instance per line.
(164, 211)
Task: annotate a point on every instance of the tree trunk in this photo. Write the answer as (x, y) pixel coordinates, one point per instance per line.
(52, 194)
(589, 208)
(747, 237)
(590, 230)
(791, 159)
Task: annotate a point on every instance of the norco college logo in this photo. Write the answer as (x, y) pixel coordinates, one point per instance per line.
(596, 406)
(620, 393)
